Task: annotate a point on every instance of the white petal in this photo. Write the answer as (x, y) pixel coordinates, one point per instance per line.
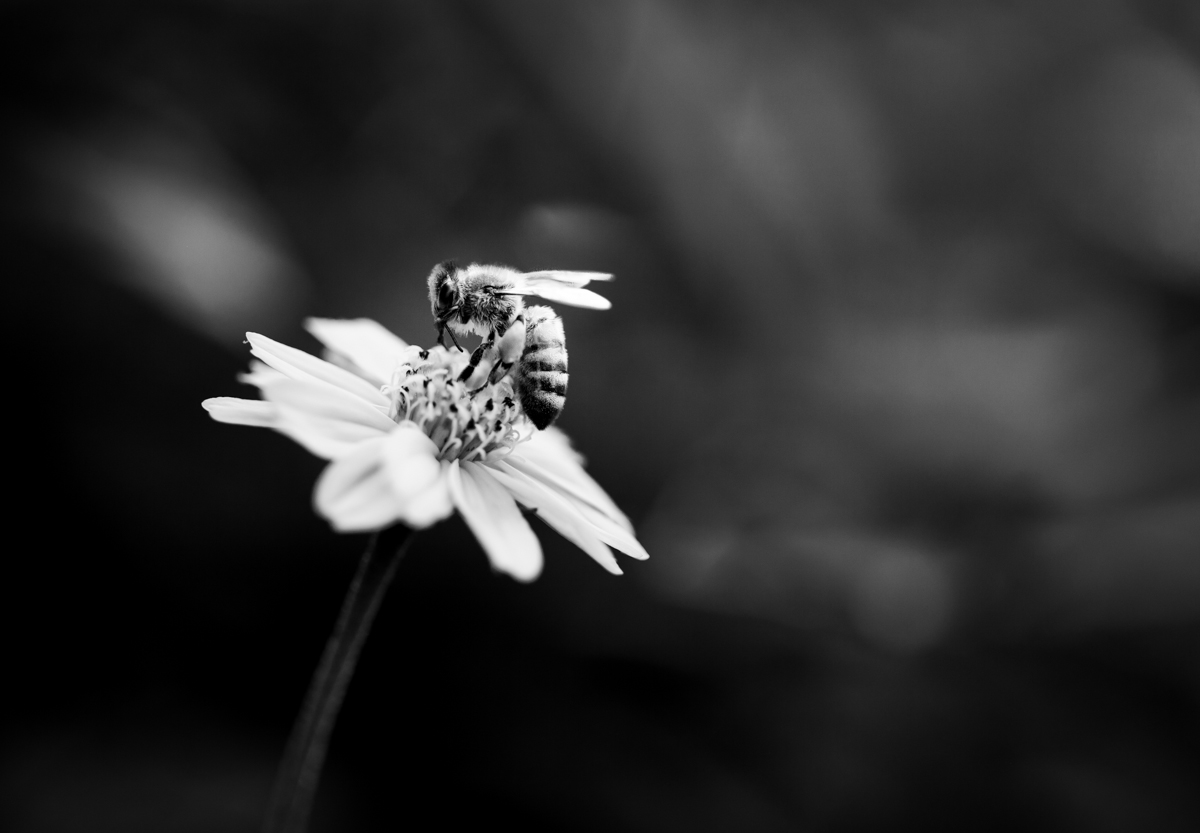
(240, 411)
(296, 364)
(354, 493)
(556, 512)
(418, 479)
(432, 505)
(327, 438)
(259, 374)
(615, 536)
(319, 400)
(616, 532)
(494, 518)
(562, 467)
(367, 344)
(554, 440)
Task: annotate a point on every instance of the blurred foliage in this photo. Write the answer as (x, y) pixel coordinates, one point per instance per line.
(901, 385)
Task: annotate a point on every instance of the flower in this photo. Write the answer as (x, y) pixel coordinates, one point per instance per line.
(408, 442)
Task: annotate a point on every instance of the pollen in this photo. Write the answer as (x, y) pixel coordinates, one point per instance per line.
(427, 393)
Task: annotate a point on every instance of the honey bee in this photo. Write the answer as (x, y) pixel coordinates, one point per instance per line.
(527, 342)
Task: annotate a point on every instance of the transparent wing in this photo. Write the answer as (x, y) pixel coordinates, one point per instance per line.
(562, 277)
(565, 287)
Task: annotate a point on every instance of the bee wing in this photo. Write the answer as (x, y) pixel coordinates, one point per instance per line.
(565, 287)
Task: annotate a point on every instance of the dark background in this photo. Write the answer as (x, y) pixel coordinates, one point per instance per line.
(901, 387)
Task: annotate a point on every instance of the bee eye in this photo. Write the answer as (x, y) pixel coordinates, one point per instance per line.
(445, 296)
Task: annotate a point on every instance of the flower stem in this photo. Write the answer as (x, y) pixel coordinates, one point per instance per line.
(296, 783)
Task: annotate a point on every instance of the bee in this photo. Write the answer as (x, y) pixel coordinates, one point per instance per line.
(527, 342)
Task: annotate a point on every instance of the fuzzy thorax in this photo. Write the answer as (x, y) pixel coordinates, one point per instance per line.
(463, 427)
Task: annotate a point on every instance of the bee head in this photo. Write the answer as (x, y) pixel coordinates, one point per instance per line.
(444, 294)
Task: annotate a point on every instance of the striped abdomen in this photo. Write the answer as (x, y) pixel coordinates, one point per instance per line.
(541, 377)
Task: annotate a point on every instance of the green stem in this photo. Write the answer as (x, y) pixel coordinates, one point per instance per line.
(296, 783)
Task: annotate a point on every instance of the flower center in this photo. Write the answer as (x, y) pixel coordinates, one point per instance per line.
(463, 426)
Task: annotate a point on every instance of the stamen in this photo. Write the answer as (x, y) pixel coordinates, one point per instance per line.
(463, 424)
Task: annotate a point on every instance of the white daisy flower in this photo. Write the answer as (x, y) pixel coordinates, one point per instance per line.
(407, 443)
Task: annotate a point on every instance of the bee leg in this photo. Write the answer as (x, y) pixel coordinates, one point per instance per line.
(487, 380)
(477, 356)
(499, 370)
(511, 340)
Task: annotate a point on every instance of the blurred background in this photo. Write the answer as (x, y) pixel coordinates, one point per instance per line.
(901, 386)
